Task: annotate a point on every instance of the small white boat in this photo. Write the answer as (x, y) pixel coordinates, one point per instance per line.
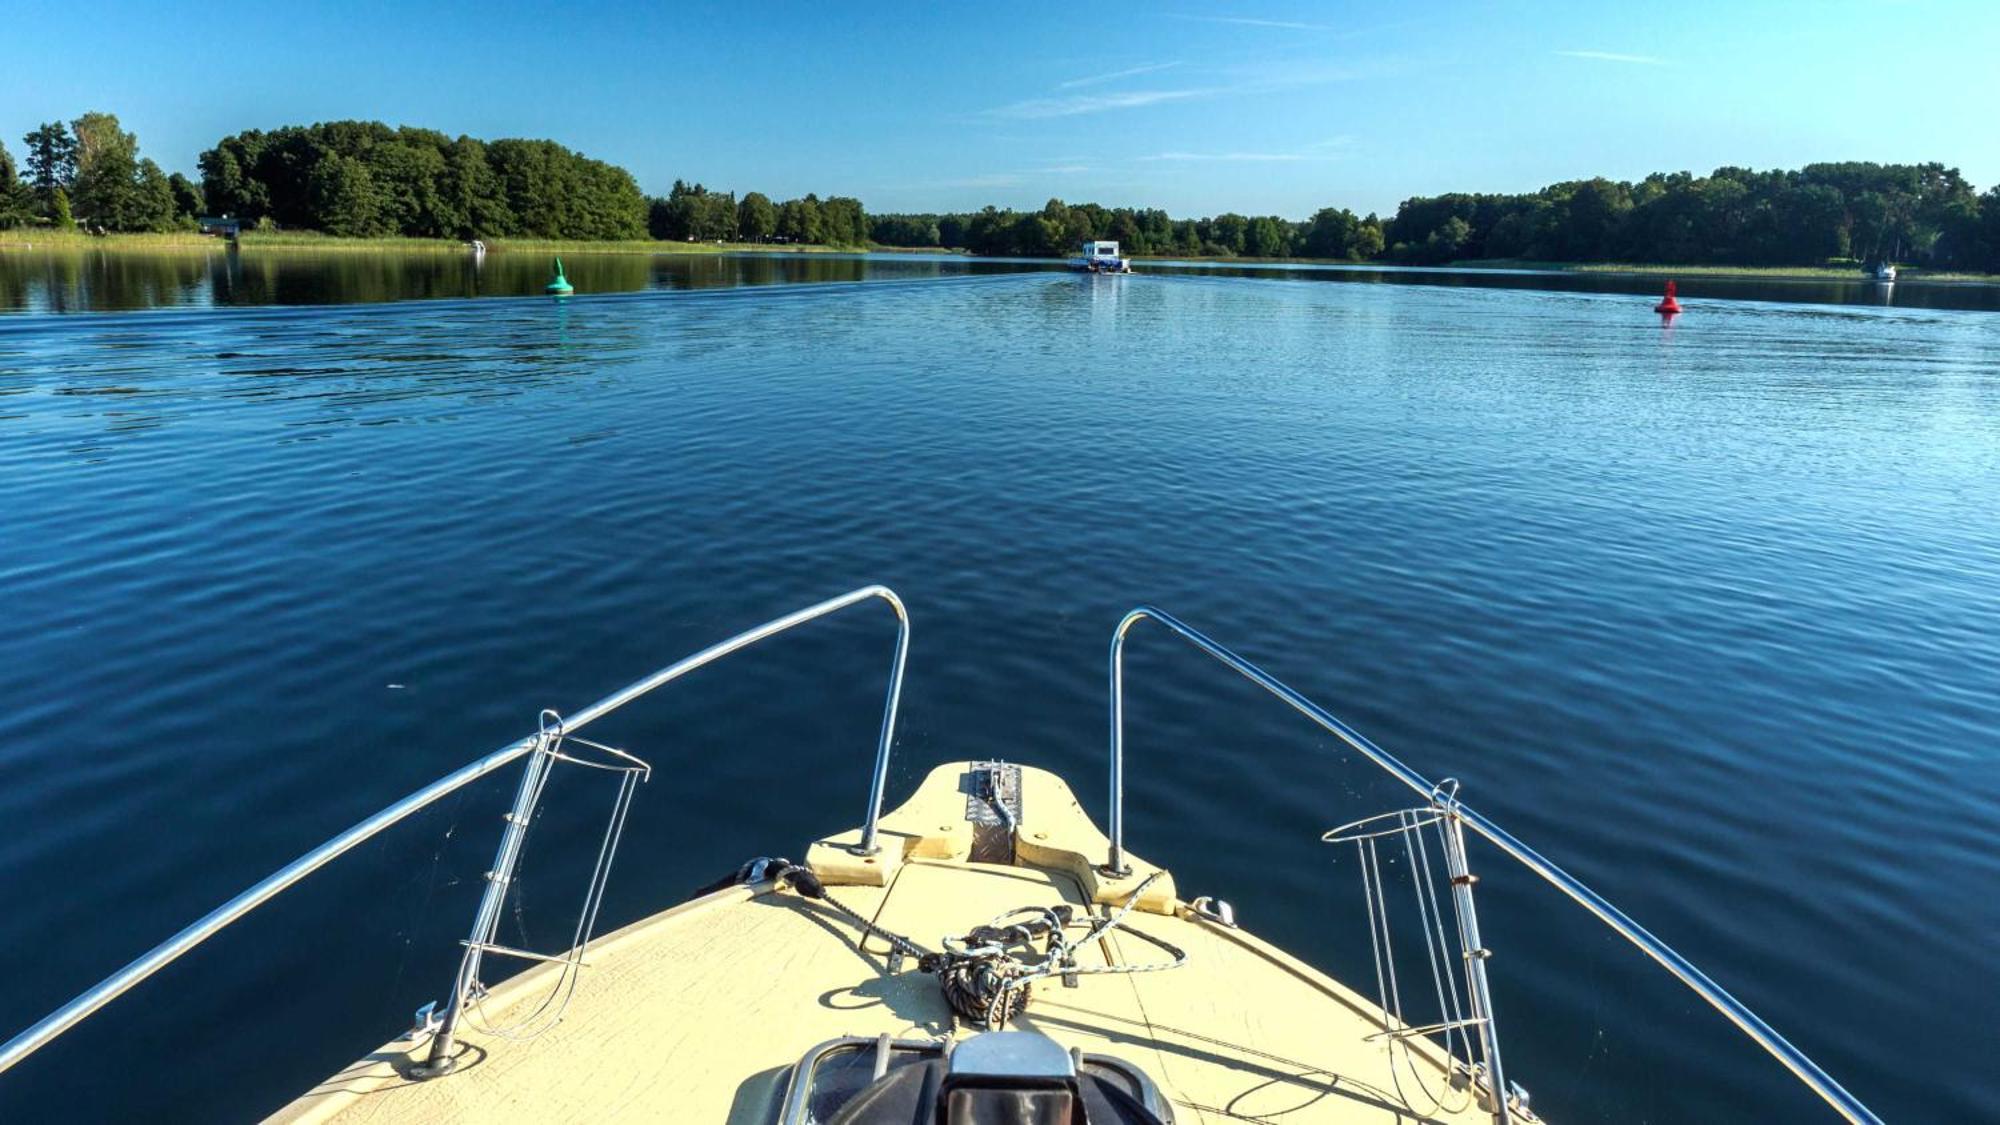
(1882, 271)
(1103, 257)
(983, 954)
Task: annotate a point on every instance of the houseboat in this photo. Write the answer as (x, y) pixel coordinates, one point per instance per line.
(1103, 257)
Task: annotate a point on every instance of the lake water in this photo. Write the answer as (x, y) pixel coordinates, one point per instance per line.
(1708, 613)
(40, 281)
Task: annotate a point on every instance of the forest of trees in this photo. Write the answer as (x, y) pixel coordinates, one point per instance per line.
(692, 213)
(364, 178)
(1915, 213)
(89, 172)
(1925, 214)
(1059, 228)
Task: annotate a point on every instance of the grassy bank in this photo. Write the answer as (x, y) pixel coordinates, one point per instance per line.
(22, 239)
(1647, 269)
(1247, 260)
(310, 240)
(280, 241)
(25, 238)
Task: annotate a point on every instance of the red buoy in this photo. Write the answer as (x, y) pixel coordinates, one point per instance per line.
(1668, 306)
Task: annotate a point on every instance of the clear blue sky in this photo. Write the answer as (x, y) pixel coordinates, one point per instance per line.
(1197, 107)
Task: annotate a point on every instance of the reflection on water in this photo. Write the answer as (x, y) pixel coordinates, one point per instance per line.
(85, 281)
(1856, 290)
(1710, 614)
(71, 281)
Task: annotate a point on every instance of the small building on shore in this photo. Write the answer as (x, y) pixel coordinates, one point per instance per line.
(222, 226)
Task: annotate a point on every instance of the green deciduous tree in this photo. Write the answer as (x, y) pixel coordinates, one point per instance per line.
(1229, 231)
(799, 220)
(1266, 237)
(114, 188)
(843, 222)
(153, 199)
(470, 192)
(188, 201)
(344, 197)
(1330, 234)
(756, 218)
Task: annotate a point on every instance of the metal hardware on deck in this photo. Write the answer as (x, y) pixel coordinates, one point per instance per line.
(993, 809)
(993, 794)
(1746, 1021)
(882, 1048)
(1215, 910)
(425, 1022)
(171, 950)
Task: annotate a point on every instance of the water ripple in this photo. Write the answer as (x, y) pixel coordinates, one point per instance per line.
(1711, 615)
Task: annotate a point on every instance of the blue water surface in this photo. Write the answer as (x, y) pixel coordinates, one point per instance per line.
(1709, 613)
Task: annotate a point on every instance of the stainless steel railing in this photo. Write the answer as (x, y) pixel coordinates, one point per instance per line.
(1714, 994)
(164, 954)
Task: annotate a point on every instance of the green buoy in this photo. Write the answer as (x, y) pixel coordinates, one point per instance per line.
(560, 286)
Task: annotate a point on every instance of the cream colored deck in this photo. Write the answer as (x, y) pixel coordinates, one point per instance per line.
(696, 1014)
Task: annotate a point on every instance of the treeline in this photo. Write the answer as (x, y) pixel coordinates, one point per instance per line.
(1924, 214)
(692, 213)
(1059, 228)
(365, 179)
(88, 172)
(1917, 213)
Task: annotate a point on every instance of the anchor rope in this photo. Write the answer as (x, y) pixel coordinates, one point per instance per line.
(984, 974)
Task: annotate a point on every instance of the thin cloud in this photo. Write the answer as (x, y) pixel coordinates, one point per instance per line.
(1225, 156)
(1115, 75)
(1078, 104)
(998, 179)
(1615, 56)
(1063, 170)
(1245, 21)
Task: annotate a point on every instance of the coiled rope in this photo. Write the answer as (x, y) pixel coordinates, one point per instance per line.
(985, 973)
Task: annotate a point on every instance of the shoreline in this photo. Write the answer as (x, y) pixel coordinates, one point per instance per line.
(1609, 269)
(24, 240)
(1770, 273)
(21, 240)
